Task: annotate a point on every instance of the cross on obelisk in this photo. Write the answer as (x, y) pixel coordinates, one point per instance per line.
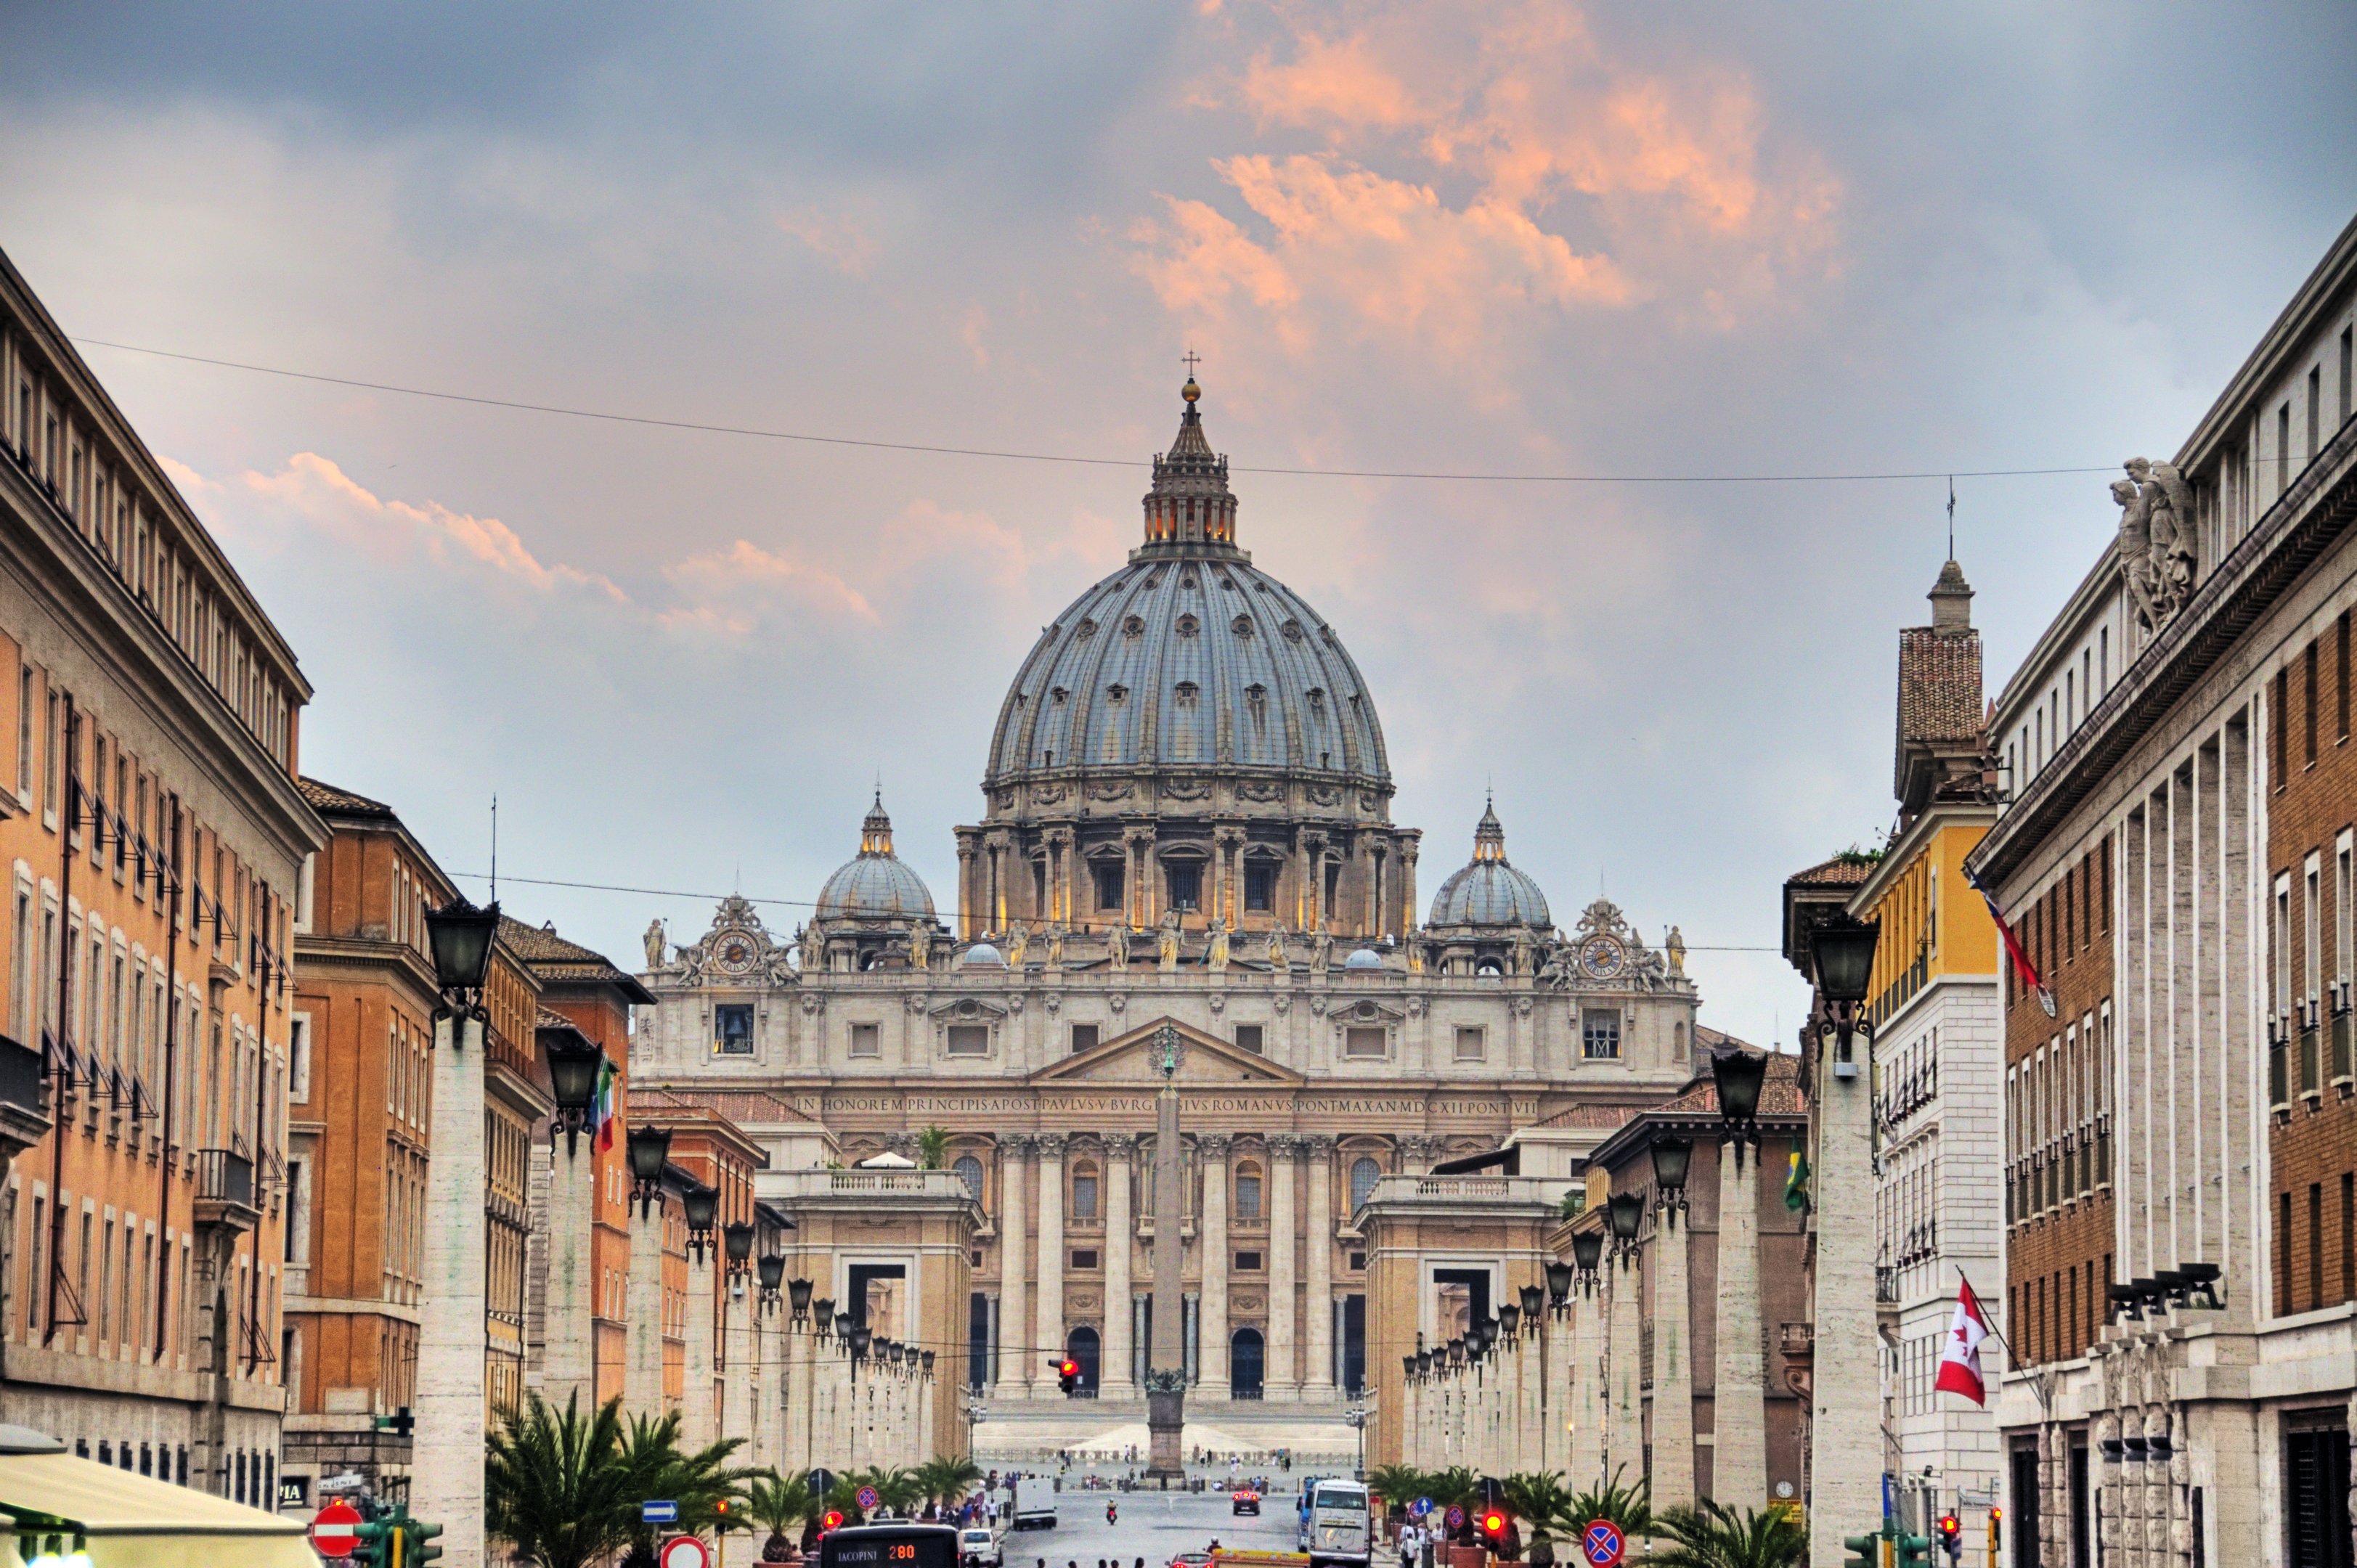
(1166, 1377)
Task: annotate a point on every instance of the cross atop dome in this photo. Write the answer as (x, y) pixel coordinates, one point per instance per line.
(1191, 507)
(876, 827)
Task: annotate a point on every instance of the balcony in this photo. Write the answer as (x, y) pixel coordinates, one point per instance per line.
(24, 1114)
(224, 1186)
(2342, 1073)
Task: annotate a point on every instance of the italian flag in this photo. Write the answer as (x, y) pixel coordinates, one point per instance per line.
(610, 1085)
(1960, 1363)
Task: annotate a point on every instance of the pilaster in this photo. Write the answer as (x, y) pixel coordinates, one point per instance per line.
(1114, 1374)
(1845, 1437)
(1318, 1237)
(1739, 1452)
(1016, 1354)
(451, 1402)
(1281, 1376)
(1212, 1148)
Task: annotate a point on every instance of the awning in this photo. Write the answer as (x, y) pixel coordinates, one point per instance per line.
(131, 1521)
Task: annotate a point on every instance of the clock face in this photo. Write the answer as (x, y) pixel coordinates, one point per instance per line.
(736, 952)
(1601, 957)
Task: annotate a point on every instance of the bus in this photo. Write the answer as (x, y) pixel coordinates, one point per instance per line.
(1334, 1527)
(895, 1545)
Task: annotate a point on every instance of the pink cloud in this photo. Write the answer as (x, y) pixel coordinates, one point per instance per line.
(839, 239)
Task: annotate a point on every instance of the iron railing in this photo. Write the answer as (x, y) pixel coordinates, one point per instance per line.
(224, 1175)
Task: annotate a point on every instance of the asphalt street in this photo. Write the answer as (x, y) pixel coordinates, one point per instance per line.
(1156, 1526)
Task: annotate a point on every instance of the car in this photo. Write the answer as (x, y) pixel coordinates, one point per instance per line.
(1191, 1560)
(978, 1548)
(1247, 1501)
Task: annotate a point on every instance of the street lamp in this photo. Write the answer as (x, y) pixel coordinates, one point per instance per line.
(925, 1361)
(823, 1316)
(737, 1237)
(1671, 1157)
(572, 1070)
(1626, 1212)
(701, 1205)
(1356, 1417)
(1842, 949)
(1559, 1277)
(774, 1275)
(798, 1296)
(1737, 1076)
(1534, 1299)
(1509, 1321)
(460, 936)
(649, 1151)
(1587, 1251)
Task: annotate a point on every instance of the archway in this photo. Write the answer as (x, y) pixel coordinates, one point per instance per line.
(1245, 1365)
(1082, 1346)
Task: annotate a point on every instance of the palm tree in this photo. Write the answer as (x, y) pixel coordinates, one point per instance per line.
(700, 1482)
(932, 1145)
(1630, 1507)
(554, 1488)
(785, 1505)
(1540, 1499)
(1716, 1536)
(947, 1481)
(1397, 1485)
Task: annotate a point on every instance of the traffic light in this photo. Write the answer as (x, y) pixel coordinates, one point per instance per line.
(421, 1549)
(376, 1547)
(1493, 1526)
(1068, 1375)
(1952, 1536)
(1865, 1550)
(1996, 1518)
(1914, 1551)
(831, 1520)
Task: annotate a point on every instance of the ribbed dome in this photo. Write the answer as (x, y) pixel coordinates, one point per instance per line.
(1488, 891)
(877, 884)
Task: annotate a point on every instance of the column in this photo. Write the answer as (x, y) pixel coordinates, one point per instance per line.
(1624, 1432)
(769, 1421)
(1560, 1399)
(699, 1417)
(1530, 1414)
(801, 1404)
(1739, 1457)
(447, 1469)
(737, 1358)
(1211, 1316)
(642, 1367)
(1283, 1377)
(1051, 1245)
(1016, 1356)
(1129, 878)
(1590, 1391)
(1121, 1150)
(1318, 1237)
(1674, 1466)
(1846, 1438)
(568, 1358)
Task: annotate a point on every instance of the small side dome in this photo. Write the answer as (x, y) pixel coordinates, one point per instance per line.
(877, 884)
(1364, 958)
(1487, 890)
(982, 955)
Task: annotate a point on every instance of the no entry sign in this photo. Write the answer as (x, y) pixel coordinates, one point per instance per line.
(683, 1552)
(1601, 1544)
(335, 1529)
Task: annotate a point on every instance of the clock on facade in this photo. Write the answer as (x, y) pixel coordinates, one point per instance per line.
(736, 952)
(1601, 957)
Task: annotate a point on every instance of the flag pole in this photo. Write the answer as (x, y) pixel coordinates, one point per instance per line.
(2036, 1379)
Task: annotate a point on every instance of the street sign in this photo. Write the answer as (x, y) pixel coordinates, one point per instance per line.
(820, 1482)
(683, 1552)
(663, 1512)
(868, 1499)
(1600, 1543)
(1456, 1517)
(335, 1529)
(1418, 1509)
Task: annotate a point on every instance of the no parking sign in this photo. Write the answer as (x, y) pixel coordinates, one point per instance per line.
(1601, 1544)
(1456, 1517)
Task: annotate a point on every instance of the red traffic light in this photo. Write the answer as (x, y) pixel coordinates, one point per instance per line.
(1493, 1523)
(1949, 1525)
(1071, 1368)
(1995, 1514)
(831, 1519)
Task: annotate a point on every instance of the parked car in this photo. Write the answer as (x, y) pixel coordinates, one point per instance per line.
(978, 1548)
(1247, 1501)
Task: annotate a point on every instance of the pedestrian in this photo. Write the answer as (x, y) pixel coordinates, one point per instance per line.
(1112, 1515)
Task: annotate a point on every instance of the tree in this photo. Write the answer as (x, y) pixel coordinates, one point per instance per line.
(1397, 1485)
(1541, 1499)
(1717, 1537)
(1630, 1507)
(932, 1145)
(785, 1505)
(699, 1482)
(947, 1481)
(554, 1488)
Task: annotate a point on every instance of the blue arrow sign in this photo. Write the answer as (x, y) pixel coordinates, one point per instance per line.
(659, 1513)
(1418, 1509)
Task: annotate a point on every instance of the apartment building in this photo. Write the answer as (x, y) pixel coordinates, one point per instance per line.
(154, 833)
(2176, 1145)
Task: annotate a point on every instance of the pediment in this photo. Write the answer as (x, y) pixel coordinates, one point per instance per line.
(1129, 1058)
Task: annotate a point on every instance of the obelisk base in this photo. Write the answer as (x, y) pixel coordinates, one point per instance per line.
(1165, 1421)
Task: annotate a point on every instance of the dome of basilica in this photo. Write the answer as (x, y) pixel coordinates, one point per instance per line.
(1487, 891)
(1189, 657)
(876, 884)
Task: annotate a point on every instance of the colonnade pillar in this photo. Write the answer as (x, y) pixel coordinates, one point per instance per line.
(1212, 1312)
(1016, 1356)
(1113, 1362)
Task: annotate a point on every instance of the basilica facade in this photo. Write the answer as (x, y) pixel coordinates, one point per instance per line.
(1185, 821)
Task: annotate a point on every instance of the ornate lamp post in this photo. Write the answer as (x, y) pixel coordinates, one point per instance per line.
(650, 1150)
(798, 1297)
(1842, 950)
(774, 1275)
(1165, 1385)
(572, 1069)
(1740, 1461)
(1626, 1213)
(460, 936)
(1845, 1442)
(1587, 1253)
(1534, 1301)
(702, 1207)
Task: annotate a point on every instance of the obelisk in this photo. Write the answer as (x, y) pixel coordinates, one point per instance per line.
(1166, 1377)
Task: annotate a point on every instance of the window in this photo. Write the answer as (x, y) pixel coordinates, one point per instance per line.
(2348, 370)
(1084, 1258)
(1364, 1173)
(1248, 1191)
(864, 1042)
(2308, 725)
(299, 1056)
(2275, 730)
(2283, 448)
(1358, 1263)
(1469, 1045)
(25, 728)
(1365, 1042)
(1108, 879)
(1084, 1191)
(1084, 1037)
(1333, 885)
(1260, 885)
(1040, 883)
(732, 1028)
(2315, 407)
(1249, 1037)
(1247, 1262)
(969, 1039)
(969, 1171)
(2344, 887)
(1184, 879)
(1599, 1034)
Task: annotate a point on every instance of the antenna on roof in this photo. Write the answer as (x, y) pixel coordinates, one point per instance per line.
(495, 846)
(1952, 517)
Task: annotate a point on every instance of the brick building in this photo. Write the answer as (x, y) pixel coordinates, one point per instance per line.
(154, 833)
(361, 1110)
(2175, 1144)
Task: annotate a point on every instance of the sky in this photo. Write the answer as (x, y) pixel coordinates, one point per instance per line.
(1726, 243)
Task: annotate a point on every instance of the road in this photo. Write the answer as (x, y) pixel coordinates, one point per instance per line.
(1156, 1526)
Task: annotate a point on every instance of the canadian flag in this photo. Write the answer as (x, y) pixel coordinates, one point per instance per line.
(1960, 1363)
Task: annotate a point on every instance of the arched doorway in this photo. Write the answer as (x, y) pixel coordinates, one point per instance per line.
(1244, 1364)
(1082, 1346)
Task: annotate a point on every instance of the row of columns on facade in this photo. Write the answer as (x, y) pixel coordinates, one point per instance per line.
(1556, 1381)
(1028, 1339)
(1387, 898)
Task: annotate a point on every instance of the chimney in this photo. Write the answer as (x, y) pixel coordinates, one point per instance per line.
(1951, 600)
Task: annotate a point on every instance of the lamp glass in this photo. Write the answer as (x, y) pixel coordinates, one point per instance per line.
(650, 1150)
(1558, 1273)
(701, 1205)
(799, 1293)
(1738, 1075)
(1510, 1320)
(737, 1237)
(1844, 949)
(460, 936)
(573, 1075)
(1587, 1248)
(1534, 1298)
(1627, 1212)
(1671, 1158)
(773, 1272)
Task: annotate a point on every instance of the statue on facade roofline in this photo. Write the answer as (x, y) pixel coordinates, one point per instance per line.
(1054, 941)
(656, 943)
(1278, 961)
(1166, 942)
(920, 945)
(1117, 947)
(2156, 541)
(1321, 949)
(1018, 943)
(1215, 957)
